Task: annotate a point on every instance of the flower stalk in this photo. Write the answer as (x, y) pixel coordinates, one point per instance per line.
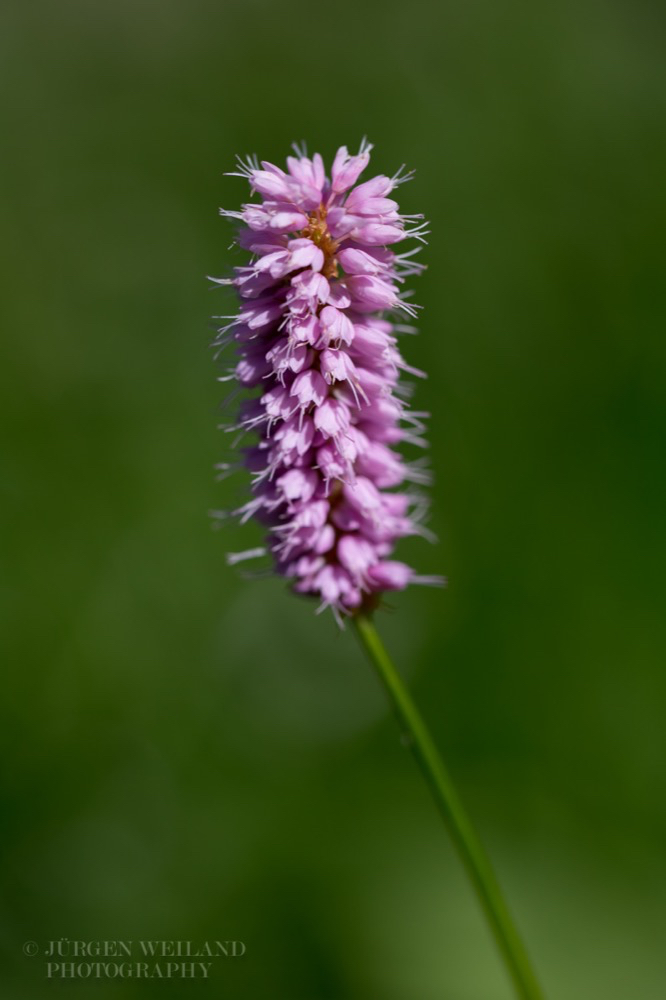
(458, 823)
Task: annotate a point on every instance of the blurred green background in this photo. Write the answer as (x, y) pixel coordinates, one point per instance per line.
(191, 756)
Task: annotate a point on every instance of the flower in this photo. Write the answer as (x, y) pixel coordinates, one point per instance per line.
(316, 333)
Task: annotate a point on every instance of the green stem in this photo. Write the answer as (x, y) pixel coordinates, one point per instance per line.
(467, 843)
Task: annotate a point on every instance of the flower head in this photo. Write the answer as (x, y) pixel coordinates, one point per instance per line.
(316, 334)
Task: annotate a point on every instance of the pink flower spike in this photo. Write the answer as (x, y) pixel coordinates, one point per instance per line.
(326, 480)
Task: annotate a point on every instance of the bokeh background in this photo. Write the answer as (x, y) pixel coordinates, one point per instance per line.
(191, 756)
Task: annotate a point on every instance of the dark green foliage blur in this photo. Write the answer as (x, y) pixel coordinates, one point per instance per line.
(188, 755)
